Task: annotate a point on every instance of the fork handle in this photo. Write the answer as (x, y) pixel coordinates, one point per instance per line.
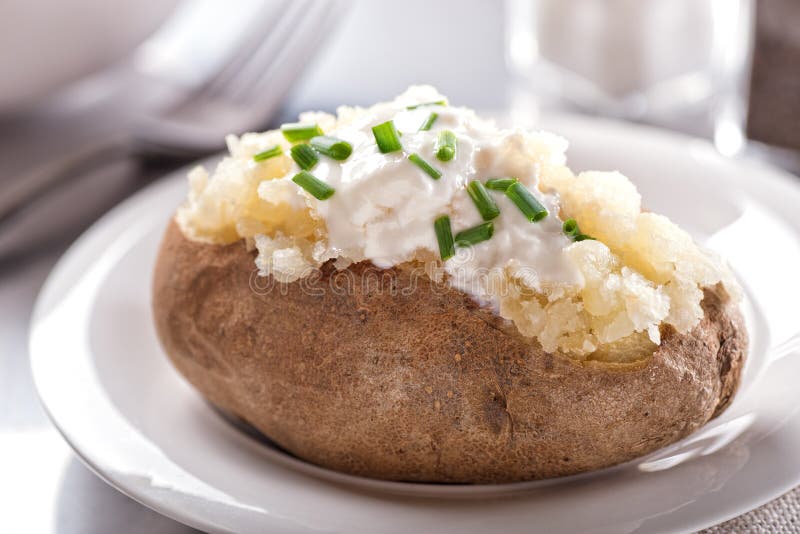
(51, 177)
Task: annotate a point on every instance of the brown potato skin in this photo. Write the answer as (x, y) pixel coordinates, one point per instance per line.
(427, 386)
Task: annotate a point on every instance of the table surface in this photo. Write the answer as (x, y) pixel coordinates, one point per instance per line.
(44, 487)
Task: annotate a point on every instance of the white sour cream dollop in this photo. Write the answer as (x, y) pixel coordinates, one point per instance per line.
(384, 206)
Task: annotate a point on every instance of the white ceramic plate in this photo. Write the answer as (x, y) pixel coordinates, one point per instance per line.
(115, 398)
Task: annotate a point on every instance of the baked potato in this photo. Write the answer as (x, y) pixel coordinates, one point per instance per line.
(393, 372)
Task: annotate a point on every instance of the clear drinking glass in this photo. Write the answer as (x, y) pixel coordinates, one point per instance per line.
(682, 64)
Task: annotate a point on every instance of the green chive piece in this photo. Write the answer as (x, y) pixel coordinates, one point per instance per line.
(315, 187)
(500, 184)
(482, 200)
(425, 166)
(583, 237)
(428, 122)
(332, 147)
(570, 228)
(387, 137)
(446, 145)
(304, 156)
(434, 103)
(271, 152)
(526, 202)
(444, 235)
(474, 235)
(294, 132)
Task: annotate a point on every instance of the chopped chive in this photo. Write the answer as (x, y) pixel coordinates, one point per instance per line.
(315, 187)
(425, 166)
(444, 235)
(387, 137)
(474, 235)
(482, 200)
(446, 145)
(294, 132)
(304, 156)
(500, 184)
(428, 122)
(271, 152)
(332, 147)
(570, 228)
(526, 202)
(434, 103)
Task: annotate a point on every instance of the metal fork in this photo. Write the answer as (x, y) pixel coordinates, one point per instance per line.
(191, 111)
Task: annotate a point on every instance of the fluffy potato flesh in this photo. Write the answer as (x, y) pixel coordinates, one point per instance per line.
(425, 386)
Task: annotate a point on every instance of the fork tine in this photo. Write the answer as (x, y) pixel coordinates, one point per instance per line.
(286, 35)
(271, 13)
(311, 31)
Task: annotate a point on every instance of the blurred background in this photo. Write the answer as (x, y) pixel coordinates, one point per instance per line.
(98, 99)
